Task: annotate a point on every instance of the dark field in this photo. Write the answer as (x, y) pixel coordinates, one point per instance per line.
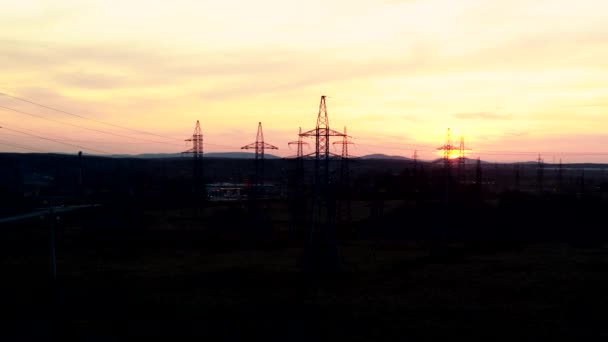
(152, 261)
(174, 281)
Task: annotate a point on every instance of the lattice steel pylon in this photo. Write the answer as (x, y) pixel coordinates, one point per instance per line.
(344, 212)
(197, 141)
(297, 189)
(321, 133)
(299, 172)
(517, 176)
(447, 149)
(461, 161)
(259, 146)
(197, 154)
(560, 177)
(540, 174)
(322, 251)
(299, 144)
(479, 175)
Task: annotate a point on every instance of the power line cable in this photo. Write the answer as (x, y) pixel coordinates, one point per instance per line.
(82, 127)
(55, 140)
(5, 143)
(103, 131)
(86, 118)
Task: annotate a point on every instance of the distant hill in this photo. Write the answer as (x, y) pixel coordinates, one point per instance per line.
(383, 156)
(468, 161)
(231, 155)
(238, 155)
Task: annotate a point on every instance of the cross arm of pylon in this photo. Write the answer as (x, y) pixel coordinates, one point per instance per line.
(448, 147)
(323, 131)
(313, 155)
(297, 143)
(257, 145)
(269, 147)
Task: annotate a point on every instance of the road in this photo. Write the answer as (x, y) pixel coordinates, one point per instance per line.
(40, 212)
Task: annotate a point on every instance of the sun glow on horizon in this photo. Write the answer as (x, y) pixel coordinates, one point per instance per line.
(519, 75)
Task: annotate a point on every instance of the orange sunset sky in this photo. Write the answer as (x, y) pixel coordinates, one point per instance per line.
(512, 76)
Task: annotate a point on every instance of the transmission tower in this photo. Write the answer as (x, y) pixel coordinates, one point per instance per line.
(298, 199)
(517, 176)
(540, 174)
(259, 146)
(461, 161)
(478, 176)
(300, 144)
(447, 149)
(415, 157)
(299, 156)
(344, 211)
(560, 176)
(197, 141)
(321, 133)
(322, 251)
(197, 156)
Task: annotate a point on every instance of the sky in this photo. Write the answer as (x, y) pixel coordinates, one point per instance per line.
(515, 78)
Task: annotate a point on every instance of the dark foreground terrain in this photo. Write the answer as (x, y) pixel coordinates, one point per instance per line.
(503, 254)
(175, 281)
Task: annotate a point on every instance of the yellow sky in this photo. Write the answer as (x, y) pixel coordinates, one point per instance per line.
(510, 75)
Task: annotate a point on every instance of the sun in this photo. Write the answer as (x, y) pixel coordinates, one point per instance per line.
(454, 154)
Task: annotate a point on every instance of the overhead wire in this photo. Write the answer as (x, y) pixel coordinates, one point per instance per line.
(55, 140)
(82, 127)
(86, 118)
(414, 146)
(5, 143)
(99, 121)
